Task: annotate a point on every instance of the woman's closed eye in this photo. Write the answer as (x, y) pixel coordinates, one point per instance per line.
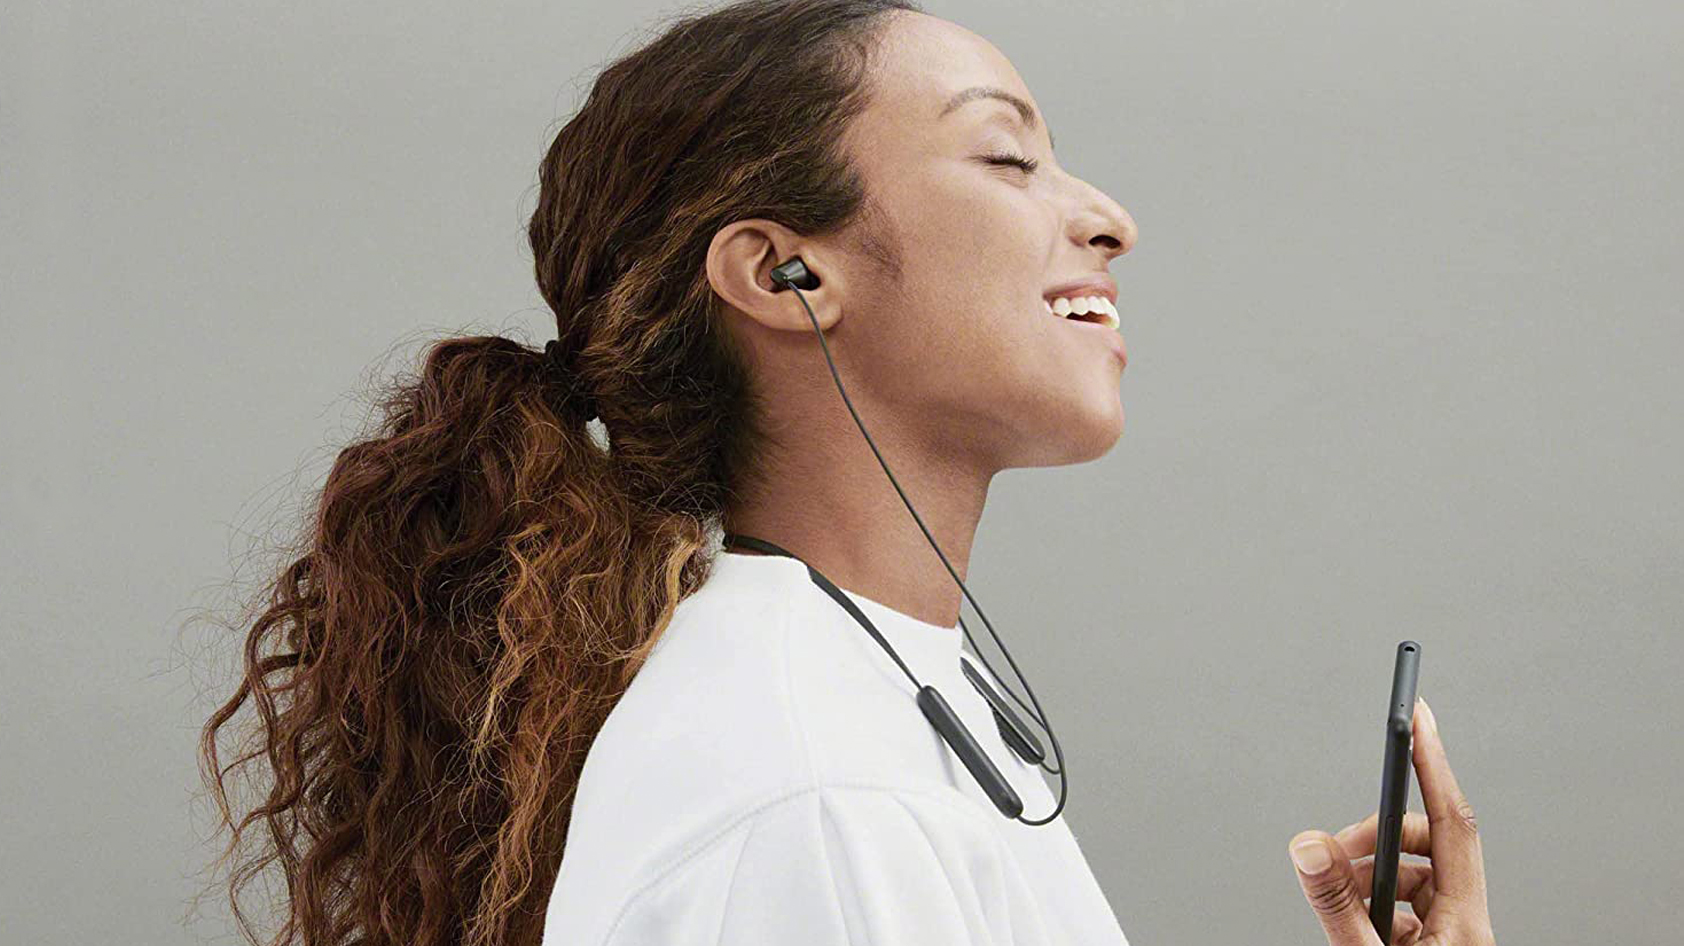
(1001, 158)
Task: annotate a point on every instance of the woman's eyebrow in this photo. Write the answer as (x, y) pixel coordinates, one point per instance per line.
(1025, 111)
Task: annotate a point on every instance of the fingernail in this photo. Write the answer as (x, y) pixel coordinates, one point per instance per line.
(1312, 856)
(1432, 722)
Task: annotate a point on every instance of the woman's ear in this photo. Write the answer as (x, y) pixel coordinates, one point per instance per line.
(740, 261)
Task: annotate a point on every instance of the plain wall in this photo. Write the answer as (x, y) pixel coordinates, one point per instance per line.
(1403, 324)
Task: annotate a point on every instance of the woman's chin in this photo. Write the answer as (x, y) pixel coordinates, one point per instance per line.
(1082, 435)
(1104, 430)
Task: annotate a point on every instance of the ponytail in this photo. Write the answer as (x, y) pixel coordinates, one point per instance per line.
(473, 599)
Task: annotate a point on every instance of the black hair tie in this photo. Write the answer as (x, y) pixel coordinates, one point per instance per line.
(574, 398)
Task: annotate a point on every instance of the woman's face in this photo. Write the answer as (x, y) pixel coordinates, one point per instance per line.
(952, 336)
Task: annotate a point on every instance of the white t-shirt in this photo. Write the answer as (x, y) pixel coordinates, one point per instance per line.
(768, 778)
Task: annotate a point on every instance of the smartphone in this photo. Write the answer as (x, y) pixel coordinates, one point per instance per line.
(1394, 787)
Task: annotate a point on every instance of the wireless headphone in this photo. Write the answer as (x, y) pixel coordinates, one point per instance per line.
(793, 274)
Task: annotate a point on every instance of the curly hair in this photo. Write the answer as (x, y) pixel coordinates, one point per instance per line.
(480, 579)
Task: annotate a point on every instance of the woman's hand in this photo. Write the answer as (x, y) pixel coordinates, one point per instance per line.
(1448, 895)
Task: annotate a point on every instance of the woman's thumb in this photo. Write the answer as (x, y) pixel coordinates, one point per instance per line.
(1325, 874)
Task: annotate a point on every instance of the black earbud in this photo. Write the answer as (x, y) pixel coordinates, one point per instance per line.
(793, 272)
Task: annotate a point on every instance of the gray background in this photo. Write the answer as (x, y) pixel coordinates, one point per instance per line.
(1403, 323)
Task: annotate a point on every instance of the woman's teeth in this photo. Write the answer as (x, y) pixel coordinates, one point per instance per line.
(1076, 306)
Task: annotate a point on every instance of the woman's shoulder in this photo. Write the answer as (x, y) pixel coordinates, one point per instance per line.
(815, 862)
(752, 690)
(757, 702)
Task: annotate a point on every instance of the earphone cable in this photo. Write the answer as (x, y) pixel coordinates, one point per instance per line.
(1063, 779)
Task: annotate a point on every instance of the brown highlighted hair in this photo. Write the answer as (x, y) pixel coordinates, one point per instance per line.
(481, 579)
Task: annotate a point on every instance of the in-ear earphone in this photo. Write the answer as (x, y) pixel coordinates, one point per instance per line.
(794, 274)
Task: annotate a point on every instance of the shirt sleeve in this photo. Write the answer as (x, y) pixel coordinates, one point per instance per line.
(836, 866)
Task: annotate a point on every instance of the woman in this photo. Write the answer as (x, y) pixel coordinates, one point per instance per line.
(512, 693)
